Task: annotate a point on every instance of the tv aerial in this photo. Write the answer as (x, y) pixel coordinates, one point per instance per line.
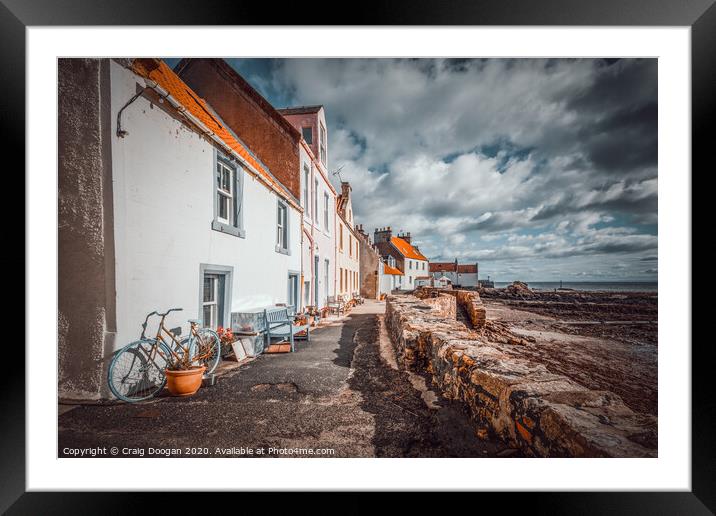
(337, 172)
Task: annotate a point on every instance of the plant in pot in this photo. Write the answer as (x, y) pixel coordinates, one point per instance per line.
(226, 336)
(313, 315)
(300, 320)
(184, 372)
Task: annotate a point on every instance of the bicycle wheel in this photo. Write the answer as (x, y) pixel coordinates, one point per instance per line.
(136, 372)
(207, 342)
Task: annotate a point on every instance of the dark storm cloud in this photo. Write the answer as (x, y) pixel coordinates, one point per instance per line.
(618, 116)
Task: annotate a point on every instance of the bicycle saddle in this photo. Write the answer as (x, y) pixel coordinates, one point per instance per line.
(194, 321)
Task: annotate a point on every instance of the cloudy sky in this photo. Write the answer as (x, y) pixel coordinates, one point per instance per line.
(538, 169)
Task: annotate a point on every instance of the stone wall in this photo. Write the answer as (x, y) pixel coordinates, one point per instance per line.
(510, 397)
(468, 299)
(369, 263)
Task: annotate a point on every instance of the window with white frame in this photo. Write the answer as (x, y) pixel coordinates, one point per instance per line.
(225, 191)
(315, 201)
(326, 210)
(228, 197)
(293, 290)
(210, 304)
(323, 144)
(282, 227)
(214, 294)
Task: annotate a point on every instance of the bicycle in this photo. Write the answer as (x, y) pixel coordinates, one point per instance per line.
(136, 372)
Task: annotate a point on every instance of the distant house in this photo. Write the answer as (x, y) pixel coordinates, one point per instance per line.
(391, 277)
(442, 281)
(461, 275)
(409, 261)
(161, 205)
(429, 281)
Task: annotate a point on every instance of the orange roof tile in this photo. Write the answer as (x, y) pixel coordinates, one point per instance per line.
(470, 268)
(406, 249)
(159, 72)
(387, 269)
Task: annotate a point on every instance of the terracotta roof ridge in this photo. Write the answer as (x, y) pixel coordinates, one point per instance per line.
(409, 251)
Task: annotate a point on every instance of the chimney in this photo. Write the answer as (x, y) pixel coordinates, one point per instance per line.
(382, 235)
(359, 230)
(404, 236)
(345, 189)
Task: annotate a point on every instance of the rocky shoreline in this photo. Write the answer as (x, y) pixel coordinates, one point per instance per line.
(628, 317)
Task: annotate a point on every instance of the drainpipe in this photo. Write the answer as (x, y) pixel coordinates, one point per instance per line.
(313, 207)
(335, 249)
(300, 287)
(121, 133)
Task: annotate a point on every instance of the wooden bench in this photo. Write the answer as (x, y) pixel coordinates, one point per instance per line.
(279, 324)
(336, 304)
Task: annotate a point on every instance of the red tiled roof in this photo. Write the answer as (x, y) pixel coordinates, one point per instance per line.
(159, 72)
(442, 266)
(387, 269)
(450, 267)
(406, 249)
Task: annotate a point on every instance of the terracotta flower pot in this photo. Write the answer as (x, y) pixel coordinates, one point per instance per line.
(186, 382)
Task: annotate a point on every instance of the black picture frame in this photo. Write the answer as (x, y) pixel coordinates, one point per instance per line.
(17, 15)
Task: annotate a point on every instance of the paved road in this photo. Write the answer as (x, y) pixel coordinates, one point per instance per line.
(338, 392)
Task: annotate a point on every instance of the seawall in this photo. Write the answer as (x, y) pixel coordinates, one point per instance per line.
(516, 399)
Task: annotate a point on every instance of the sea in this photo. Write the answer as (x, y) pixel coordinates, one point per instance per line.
(608, 286)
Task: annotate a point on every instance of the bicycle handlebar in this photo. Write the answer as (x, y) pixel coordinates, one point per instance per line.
(144, 324)
(170, 310)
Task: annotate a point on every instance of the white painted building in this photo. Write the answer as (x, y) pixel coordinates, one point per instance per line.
(318, 199)
(196, 221)
(430, 281)
(408, 258)
(390, 276)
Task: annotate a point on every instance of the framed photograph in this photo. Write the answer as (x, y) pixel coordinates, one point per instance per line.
(449, 249)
